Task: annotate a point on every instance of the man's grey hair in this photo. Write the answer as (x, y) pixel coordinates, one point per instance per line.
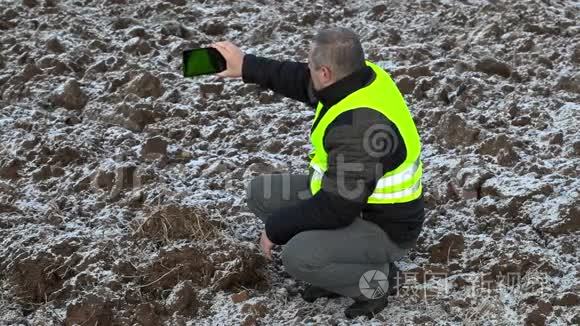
(340, 49)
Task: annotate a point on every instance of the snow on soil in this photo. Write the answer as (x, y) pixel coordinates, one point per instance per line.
(122, 183)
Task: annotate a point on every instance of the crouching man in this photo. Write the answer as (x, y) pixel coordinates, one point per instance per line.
(360, 207)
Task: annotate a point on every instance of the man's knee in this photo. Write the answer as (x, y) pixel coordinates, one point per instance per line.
(300, 259)
(254, 187)
(258, 193)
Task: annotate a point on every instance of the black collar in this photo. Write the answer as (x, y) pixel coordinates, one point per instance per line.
(332, 94)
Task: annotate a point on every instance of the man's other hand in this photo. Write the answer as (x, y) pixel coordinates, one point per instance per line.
(234, 58)
(266, 245)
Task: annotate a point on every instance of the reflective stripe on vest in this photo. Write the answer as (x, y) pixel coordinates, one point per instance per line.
(403, 184)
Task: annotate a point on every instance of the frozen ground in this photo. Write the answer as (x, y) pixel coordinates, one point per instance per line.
(122, 184)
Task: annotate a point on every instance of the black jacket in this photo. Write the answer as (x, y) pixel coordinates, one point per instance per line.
(344, 141)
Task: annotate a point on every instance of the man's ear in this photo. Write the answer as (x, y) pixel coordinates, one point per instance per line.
(327, 73)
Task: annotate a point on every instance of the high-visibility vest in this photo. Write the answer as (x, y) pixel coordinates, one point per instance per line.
(400, 185)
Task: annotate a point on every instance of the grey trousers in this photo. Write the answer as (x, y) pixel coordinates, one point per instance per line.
(331, 259)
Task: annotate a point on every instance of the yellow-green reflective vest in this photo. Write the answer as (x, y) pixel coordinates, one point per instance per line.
(401, 185)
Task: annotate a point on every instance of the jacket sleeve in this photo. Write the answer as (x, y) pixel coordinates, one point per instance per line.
(357, 157)
(291, 79)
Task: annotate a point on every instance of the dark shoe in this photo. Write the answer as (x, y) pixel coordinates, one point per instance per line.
(396, 279)
(311, 293)
(366, 307)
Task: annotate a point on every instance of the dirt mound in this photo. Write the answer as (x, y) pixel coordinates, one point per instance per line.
(493, 66)
(170, 223)
(222, 266)
(9, 168)
(449, 247)
(145, 85)
(70, 96)
(91, 311)
(177, 265)
(154, 147)
(183, 300)
(35, 279)
(241, 267)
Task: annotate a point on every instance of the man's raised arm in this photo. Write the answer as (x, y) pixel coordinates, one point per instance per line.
(291, 79)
